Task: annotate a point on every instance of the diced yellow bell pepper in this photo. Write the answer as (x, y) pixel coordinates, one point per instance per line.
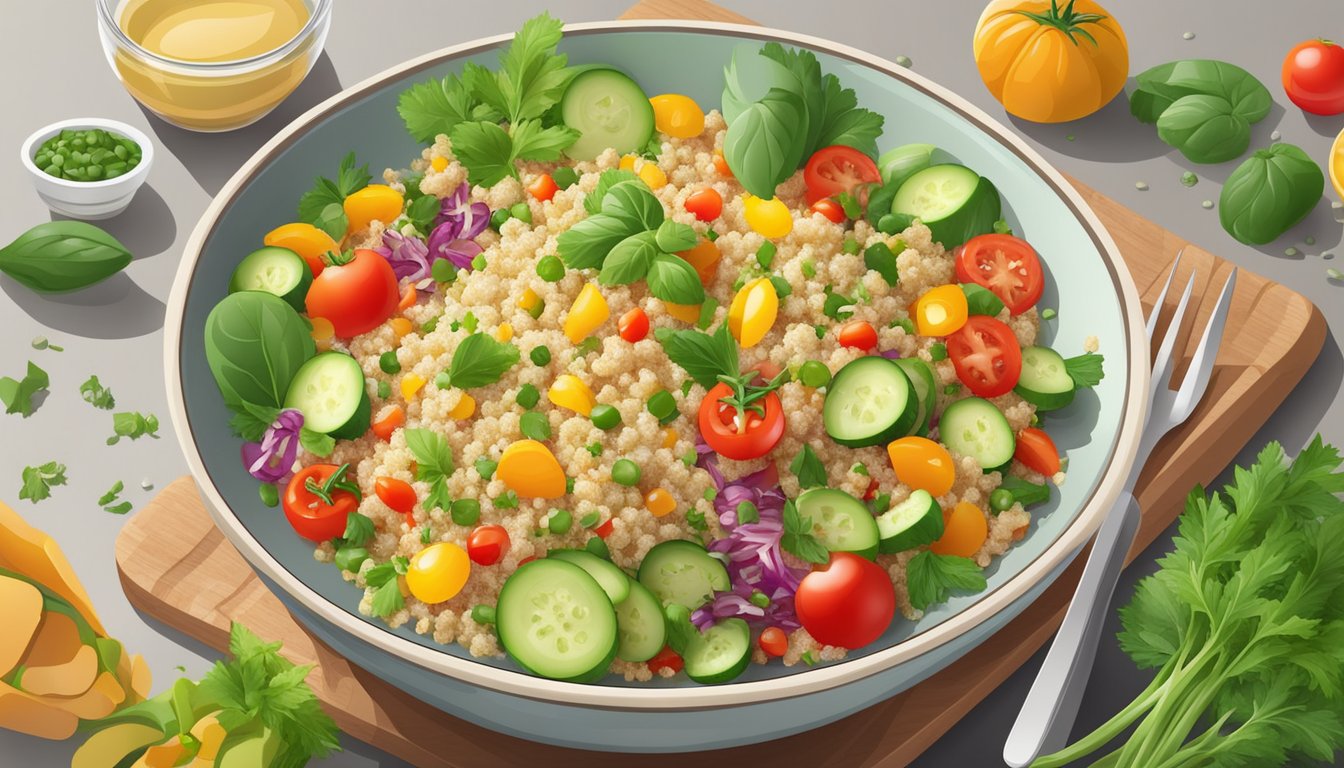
(669, 437)
(400, 327)
(652, 175)
(530, 470)
(628, 162)
(411, 383)
(439, 163)
(504, 333)
(588, 312)
(686, 313)
(528, 300)
(464, 408)
(570, 392)
(753, 312)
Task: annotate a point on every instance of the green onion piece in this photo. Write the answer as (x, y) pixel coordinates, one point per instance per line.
(388, 362)
(905, 324)
(1048, 314)
(486, 468)
(759, 599)
(809, 269)
(747, 513)
(483, 614)
(605, 416)
(860, 469)
(1001, 500)
(711, 235)
(850, 246)
(625, 472)
(589, 520)
(711, 494)
(952, 389)
(594, 448)
(478, 262)
(498, 217)
(528, 396)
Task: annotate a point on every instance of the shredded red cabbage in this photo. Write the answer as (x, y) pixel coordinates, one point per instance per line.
(891, 354)
(459, 222)
(272, 459)
(409, 256)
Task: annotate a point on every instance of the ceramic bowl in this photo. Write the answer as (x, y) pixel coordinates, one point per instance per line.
(87, 199)
(1087, 284)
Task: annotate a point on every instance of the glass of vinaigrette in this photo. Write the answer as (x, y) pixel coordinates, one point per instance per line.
(212, 65)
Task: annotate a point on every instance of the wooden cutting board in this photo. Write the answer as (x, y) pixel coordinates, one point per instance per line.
(177, 567)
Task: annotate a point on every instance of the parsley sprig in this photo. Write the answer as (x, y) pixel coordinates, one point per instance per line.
(387, 597)
(798, 538)
(39, 480)
(433, 464)
(323, 204)
(930, 577)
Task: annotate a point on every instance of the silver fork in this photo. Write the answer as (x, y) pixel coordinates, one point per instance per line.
(1047, 715)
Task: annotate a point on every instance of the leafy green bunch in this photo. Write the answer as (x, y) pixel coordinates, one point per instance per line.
(1202, 107)
(1244, 622)
(470, 107)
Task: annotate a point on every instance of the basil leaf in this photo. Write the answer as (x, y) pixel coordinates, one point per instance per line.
(981, 301)
(674, 236)
(1161, 86)
(254, 344)
(433, 455)
(609, 178)
(809, 470)
(1205, 129)
(1026, 492)
(586, 244)
(480, 360)
(635, 204)
(63, 256)
(333, 221)
(806, 71)
(1270, 193)
(673, 279)
(629, 260)
(763, 146)
(879, 258)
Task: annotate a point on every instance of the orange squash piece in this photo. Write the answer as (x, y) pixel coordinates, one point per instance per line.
(23, 615)
(530, 470)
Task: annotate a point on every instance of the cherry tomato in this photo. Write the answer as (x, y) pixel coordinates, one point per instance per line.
(311, 516)
(356, 295)
(773, 641)
(1313, 77)
(740, 436)
(1037, 451)
(706, 204)
(388, 424)
(832, 170)
(858, 334)
(398, 495)
(633, 325)
(666, 659)
(487, 544)
(438, 572)
(986, 356)
(940, 311)
(922, 464)
(1006, 265)
(830, 209)
(964, 531)
(849, 602)
(721, 164)
(543, 187)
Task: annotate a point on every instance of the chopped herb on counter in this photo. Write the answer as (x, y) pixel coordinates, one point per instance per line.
(133, 425)
(38, 481)
(17, 396)
(95, 394)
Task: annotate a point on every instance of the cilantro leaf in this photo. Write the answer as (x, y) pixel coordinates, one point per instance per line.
(387, 600)
(95, 394)
(480, 360)
(930, 577)
(38, 481)
(333, 221)
(133, 425)
(486, 150)
(422, 212)
(798, 538)
(809, 470)
(1085, 369)
(843, 122)
(533, 142)
(326, 192)
(359, 529)
(435, 106)
(703, 356)
(17, 396)
(250, 420)
(533, 76)
(433, 455)
(438, 497)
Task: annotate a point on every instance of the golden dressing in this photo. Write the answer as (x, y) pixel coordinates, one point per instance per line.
(212, 30)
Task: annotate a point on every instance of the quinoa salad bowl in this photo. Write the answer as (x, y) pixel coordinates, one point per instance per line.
(640, 373)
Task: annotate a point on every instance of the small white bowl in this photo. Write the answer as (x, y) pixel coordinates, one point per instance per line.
(88, 199)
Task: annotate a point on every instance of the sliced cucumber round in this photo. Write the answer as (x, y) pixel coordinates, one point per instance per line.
(612, 579)
(975, 427)
(900, 163)
(277, 271)
(870, 402)
(639, 619)
(921, 378)
(1045, 382)
(720, 653)
(839, 521)
(329, 391)
(608, 109)
(556, 621)
(912, 523)
(953, 201)
(682, 572)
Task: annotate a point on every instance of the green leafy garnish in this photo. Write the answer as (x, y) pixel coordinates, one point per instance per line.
(1085, 369)
(609, 178)
(38, 481)
(333, 221)
(704, 356)
(17, 396)
(798, 538)
(110, 503)
(1026, 492)
(535, 426)
(837, 306)
(60, 256)
(316, 443)
(981, 301)
(930, 577)
(1202, 107)
(359, 530)
(809, 470)
(133, 425)
(387, 598)
(325, 192)
(481, 360)
(879, 258)
(433, 462)
(95, 394)
(422, 211)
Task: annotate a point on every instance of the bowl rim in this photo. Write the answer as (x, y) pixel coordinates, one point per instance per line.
(28, 150)
(514, 682)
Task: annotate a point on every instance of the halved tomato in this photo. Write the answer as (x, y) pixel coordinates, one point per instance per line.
(832, 170)
(1037, 451)
(1006, 265)
(986, 355)
(736, 435)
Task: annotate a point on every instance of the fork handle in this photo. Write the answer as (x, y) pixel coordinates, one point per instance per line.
(1047, 715)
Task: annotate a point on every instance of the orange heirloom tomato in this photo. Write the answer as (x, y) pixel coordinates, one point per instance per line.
(1051, 61)
(707, 204)
(356, 294)
(964, 531)
(773, 641)
(922, 464)
(374, 202)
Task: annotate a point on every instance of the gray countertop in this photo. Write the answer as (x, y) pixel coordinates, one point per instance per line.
(115, 329)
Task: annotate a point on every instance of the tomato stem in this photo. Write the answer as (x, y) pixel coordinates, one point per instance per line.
(1067, 20)
(338, 259)
(745, 395)
(337, 481)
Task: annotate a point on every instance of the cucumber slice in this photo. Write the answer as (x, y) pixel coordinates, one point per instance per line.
(839, 521)
(277, 271)
(720, 653)
(329, 391)
(682, 572)
(1045, 383)
(913, 523)
(953, 201)
(897, 165)
(870, 402)
(974, 427)
(612, 579)
(921, 378)
(640, 623)
(555, 620)
(608, 109)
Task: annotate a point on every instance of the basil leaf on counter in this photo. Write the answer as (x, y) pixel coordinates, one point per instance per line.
(63, 256)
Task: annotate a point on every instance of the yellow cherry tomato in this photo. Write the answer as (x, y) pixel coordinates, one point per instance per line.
(659, 502)
(1050, 62)
(588, 312)
(769, 218)
(922, 464)
(304, 239)
(323, 330)
(376, 201)
(964, 531)
(677, 115)
(753, 311)
(465, 407)
(438, 572)
(530, 470)
(570, 392)
(941, 311)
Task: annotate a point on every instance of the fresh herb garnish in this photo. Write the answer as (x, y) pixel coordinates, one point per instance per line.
(480, 360)
(433, 464)
(1026, 492)
(111, 503)
(422, 211)
(17, 396)
(95, 394)
(837, 306)
(63, 256)
(535, 426)
(879, 258)
(930, 577)
(133, 425)
(333, 221)
(38, 481)
(1202, 107)
(798, 538)
(704, 356)
(359, 529)
(1085, 369)
(809, 470)
(316, 443)
(387, 598)
(325, 192)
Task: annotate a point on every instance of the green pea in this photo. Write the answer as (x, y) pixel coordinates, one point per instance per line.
(58, 160)
(121, 152)
(625, 472)
(1001, 499)
(350, 558)
(551, 269)
(483, 614)
(559, 522)
(94, 171)
(465, 512)
(270, 495)
(521, 212)
(748, 513)
(814, 374)
(478, 262)
(605, 416)
(498, 217)
(809, 269)
(384, 389)
(388, 362)
(564, 177)
(540, 355)
(52, 170)
(78, 143)
(938, 352)
(443, 271)
(663, 406)
(528, 396)
(759, 599)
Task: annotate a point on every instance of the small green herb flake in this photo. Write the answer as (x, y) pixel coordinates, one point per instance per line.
(133, 425)
(95, 394)
(38, 481)
(1334, 274)
(1189, 179)
(1048, 313)
(112, 493)
(1070, 137)
(17, 396)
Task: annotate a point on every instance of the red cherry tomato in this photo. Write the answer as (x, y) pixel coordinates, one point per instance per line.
(543, 187)
(633, 325)
(706, 204)
(858, 334)
(832, 170)
(830, 209)
(355, 296)
(1037, 451)
(666, 659)
(740, 436)
(398, 495)
(310, 514)
(773, 641)
(487, 544)
(849, 602)
(1008, 266)
(1313, 77)
(986, 355)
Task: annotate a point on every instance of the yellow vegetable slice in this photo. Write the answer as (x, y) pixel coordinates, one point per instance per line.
(570, 392)
(753, 311)
(210, 734)
(23, 616)
(100, 700)
(30, 552)
(686, 313)
(69, 678)
(35, 716)
(530, 470)
(588, 312)
(165, 755)
(108, 747)
(56, 641)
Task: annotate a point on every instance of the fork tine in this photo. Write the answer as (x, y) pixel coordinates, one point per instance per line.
(1162, 297)
(1162, 365)
(1201, 365)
